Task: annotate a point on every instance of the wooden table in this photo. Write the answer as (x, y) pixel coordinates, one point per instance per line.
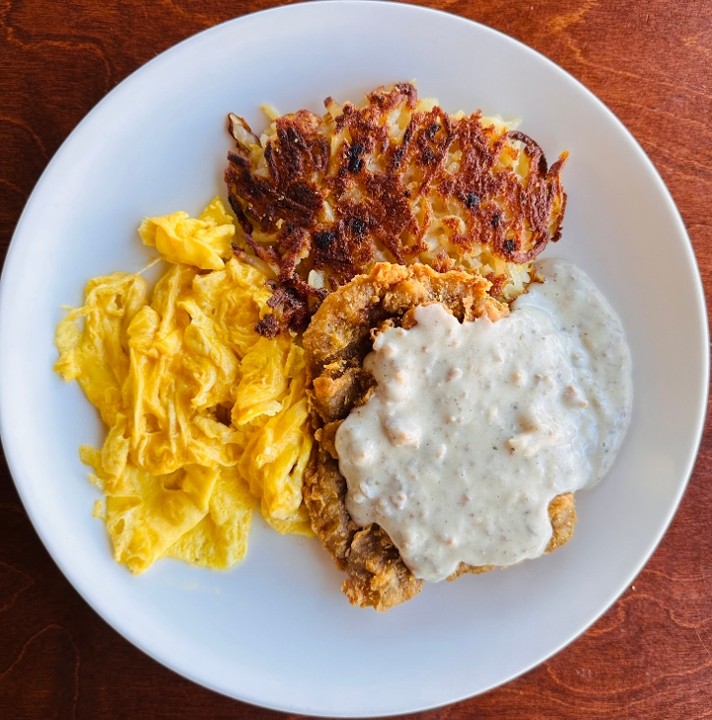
(650, 655)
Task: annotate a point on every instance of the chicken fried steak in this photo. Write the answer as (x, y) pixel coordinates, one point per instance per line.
(338, 339)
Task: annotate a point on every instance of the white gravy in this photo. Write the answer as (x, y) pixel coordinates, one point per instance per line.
(475, 427)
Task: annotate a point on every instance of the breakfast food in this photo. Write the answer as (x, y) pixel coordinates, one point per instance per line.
(320, 199)
(369, 351)
(338, 340)
(206, 419)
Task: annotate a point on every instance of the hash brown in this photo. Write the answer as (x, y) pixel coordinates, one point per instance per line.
(320, 199)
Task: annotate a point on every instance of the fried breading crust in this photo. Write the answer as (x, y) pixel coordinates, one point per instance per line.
(339, 337)
(395, 180)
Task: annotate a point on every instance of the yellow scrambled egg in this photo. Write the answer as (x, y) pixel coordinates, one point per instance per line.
(206, 419)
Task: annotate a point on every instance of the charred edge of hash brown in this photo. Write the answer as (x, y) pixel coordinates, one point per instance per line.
(382, 191)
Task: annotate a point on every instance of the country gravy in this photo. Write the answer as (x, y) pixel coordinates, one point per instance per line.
(475, 427)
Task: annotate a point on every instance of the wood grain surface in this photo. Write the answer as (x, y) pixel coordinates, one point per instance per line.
(650, 655)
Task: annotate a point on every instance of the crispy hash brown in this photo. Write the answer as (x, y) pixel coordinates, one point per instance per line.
(322, 198)
(338, 339)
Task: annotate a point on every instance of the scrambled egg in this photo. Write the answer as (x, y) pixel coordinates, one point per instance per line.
(206, 419)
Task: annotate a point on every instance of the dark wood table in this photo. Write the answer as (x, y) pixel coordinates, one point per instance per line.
(650, 655)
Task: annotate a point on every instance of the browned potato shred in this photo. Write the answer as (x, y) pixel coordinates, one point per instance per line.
(322, 198)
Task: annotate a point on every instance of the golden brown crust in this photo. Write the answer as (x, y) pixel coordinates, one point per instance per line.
(338, 339)
(562, 513)
(393, 180)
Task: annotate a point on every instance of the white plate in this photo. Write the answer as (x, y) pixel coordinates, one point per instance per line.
(276, 631)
